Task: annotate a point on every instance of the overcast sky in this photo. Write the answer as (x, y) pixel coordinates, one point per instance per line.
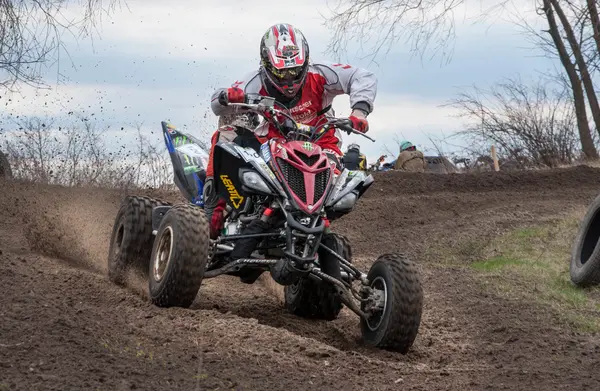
(158, 60)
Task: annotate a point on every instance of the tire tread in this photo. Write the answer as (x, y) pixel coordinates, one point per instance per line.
(404, 317)
(137, 241)
(184, 276)
(587, 274)
(316, 300)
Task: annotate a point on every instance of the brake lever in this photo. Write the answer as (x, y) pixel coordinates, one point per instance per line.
(346, 126)
(362, 134)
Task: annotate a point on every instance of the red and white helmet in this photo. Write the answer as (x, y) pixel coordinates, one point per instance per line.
(284, 59)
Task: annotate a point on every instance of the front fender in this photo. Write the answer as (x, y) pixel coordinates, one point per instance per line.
(349, 181)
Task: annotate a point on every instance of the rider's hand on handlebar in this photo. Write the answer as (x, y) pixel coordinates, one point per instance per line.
(232, 95)
(359, 121)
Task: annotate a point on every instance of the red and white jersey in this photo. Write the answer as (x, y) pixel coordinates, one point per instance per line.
(324, 81)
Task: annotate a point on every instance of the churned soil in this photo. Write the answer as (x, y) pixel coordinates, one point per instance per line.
(64, 326)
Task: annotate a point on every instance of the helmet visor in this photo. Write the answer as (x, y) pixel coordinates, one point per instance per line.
(287, 76)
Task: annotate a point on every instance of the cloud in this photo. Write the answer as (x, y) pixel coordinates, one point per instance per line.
(114, 106)
(155, 44)
(231, 30)
(162, 60)
(192, 30)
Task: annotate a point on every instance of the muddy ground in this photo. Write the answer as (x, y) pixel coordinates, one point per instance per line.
(64, 326)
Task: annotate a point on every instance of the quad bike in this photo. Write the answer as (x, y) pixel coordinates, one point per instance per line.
(281, 197)
(379, 165)
(5, 171)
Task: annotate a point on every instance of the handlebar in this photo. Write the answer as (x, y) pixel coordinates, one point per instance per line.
(265, 107)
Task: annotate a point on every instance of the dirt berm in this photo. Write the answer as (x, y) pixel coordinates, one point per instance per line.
(63, 326)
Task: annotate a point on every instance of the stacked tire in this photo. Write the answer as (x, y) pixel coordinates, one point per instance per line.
(585, 255)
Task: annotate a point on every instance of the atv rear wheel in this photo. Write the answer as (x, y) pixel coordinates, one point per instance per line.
(131, 239)
(179, 257)
(313, 299)
(395, 323)
(585, 255)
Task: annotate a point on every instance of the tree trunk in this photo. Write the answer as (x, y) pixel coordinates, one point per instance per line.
(595, 19)
(587, 143)
(580, 61)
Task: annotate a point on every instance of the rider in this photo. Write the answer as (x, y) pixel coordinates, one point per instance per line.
(410, 159)
(353, 159)
(306, 89)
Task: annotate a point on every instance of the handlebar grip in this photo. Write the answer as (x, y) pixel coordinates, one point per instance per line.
(223, 98)
(345, 125)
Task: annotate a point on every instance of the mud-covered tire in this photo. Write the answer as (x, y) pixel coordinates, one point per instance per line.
(5, 170)
(399, 323)
(182, 242)
(585, 254)
(313, 299)
(131, 239)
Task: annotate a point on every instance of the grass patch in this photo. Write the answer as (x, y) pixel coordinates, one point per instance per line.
(532, 264)
(496, 263)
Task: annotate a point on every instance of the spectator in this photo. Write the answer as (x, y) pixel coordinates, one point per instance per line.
(410, 159)
(353, 159)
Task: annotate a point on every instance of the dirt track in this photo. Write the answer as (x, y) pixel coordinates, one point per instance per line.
(64, 326)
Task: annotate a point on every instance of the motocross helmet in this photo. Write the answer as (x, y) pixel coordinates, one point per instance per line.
(354, 146)
(284, 61)
(407, 146)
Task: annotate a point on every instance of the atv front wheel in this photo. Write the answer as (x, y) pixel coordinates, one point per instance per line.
(393, 321)
(313, 299)
(131, 239)
(585, 255)
(179, 256)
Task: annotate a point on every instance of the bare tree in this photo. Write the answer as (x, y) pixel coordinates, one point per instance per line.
(432, 22)
(31, 34)
(153, 167)
(578, 97)
(77, 155)
(579, 60)
(526, 123)
(422, 23)
(31, 151)
(392, 150)
(594, 21)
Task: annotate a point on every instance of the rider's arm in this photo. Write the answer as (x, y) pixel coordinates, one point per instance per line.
(360, 84)
(250, 84)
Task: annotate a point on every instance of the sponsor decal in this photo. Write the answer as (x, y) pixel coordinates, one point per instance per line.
(304, 128)
(266, 153)
(171, 129)
(344, 66)
(301, 107)
(306, 116)
(268, 170)
(180, 140)
(235, 197)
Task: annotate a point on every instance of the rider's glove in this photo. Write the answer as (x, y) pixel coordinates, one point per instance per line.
(232, 95)
(359, 121)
